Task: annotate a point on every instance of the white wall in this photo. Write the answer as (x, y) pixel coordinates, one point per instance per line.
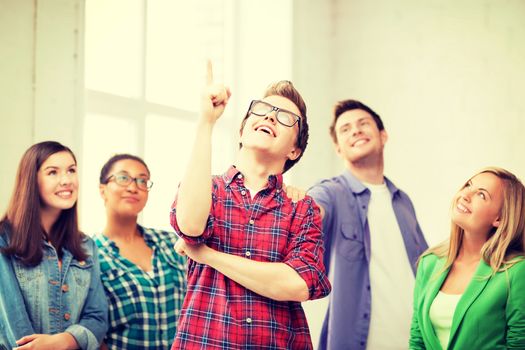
(447, 77)
(41, 86)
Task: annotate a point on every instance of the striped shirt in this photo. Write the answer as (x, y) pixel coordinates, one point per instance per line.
(219, 313)
(143, 309)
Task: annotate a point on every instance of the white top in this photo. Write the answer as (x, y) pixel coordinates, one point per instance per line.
(251, 191)
(391, 277)
(441, 314)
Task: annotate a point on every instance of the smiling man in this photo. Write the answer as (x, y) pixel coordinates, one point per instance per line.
(372, 239)
(254, 255)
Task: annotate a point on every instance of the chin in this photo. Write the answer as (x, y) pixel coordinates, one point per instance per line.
(460, 223)
(66, 204)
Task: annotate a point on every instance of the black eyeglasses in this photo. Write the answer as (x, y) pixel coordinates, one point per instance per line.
(286, 118)
(123, 179)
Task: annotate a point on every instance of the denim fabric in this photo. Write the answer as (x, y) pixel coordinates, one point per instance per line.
(347, 256)
(67, 299)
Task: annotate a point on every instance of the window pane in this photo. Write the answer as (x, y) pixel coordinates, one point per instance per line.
(113, 42)
(181, 35)
(104, 136)
(167, 146)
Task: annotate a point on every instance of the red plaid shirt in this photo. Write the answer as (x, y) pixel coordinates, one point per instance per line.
(219, 313)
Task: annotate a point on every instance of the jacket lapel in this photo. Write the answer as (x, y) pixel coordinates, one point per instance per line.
(474, 289)
(434, 285)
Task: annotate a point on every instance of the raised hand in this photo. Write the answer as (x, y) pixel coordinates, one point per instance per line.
(214, 97)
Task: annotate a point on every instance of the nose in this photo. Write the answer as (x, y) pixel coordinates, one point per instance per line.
(272, 117)
(65, 179)
(466, 193)
(356, 130)
(132, 187)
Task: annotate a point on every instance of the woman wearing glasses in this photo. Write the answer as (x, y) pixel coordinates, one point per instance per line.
(143, 276)
(50, 291)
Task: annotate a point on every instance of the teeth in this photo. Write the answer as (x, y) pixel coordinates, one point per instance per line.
(359, 142)
(462, 208)
(64, 193)
(266, 130)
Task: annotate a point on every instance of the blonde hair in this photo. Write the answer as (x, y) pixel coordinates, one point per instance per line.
(506, 243)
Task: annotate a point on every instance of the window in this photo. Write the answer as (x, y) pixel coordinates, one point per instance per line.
(145, 63)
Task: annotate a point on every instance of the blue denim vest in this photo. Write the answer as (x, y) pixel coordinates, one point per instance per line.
(47, 299)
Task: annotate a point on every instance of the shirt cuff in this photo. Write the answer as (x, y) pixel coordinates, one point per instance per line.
(85, 338)
(316, 280)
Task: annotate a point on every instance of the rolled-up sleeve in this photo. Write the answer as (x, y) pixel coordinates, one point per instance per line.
(209, 224)
(305, 254)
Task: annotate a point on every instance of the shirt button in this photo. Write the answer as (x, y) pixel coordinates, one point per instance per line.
(243, 192)
(252, 222)
(249, 320)
(65, 288)
(67, 316)
(239, 176)
(82, 263)
(248, 254)
(278, 190)
(365, 315)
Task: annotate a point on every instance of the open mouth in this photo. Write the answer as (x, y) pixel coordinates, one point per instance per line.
(64, 194)
(265, 129)
(463, 209)
(359, 142)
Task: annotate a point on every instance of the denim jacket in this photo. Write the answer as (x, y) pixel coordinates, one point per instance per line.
(48, 300)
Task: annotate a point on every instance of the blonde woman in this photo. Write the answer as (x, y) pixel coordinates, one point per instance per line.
(470, 290)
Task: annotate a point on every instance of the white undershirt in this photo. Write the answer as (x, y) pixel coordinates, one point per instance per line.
(441, 314)
(391, 277)
(251, 191)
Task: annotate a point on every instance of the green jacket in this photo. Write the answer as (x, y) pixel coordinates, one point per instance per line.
(490, 315)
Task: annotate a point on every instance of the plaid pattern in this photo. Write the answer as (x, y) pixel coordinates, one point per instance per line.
(219, 313)
(143, 311)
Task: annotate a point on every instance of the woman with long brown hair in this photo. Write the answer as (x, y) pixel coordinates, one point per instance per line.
(51, 296)
(470, 290)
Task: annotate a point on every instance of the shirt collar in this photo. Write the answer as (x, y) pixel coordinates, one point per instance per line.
(108, 243)
(274, 181)
(357, 186)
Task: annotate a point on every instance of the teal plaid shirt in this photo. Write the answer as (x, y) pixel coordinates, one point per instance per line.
(143, 310)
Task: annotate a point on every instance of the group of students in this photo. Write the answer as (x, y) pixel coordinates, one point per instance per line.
(254, 254)
(56, 291)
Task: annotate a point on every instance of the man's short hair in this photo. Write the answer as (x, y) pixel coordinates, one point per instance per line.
(348, 105)
(285, 88)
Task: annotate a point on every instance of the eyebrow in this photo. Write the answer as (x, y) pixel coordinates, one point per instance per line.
(484, 190)
(125, 172)
(56, 167)
(357, 121)
(279, 108)
(480, 188)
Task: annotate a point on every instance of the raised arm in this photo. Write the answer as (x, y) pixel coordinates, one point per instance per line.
(194, 196)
